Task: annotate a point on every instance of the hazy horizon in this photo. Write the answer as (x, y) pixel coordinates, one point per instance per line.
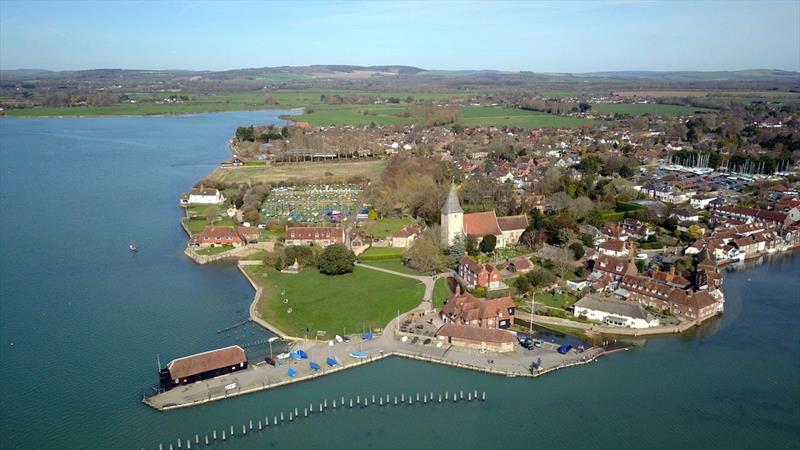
(542, 37)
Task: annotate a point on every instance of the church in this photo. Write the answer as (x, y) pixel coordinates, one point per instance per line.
(506, 229)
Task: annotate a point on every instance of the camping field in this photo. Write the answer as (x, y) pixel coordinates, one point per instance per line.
(364, 299)
(316, 173)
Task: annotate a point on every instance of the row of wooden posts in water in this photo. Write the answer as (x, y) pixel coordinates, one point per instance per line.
(358, 402)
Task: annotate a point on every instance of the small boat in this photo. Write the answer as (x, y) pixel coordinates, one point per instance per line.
(133, 247)
(295, 355)
(302, 354)
(292, 373)
(359, 355)
(283, 355)
(331, 362)
(367, 336)
(314, 366)
(339, 338)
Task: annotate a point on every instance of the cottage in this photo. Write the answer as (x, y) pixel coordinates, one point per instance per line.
(466, 309)
(322, 236)
(474, 274)
(613, 247)
(202, 196)
(213, 236)
(406, 236)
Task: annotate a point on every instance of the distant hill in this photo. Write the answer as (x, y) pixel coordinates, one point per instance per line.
(737, 75)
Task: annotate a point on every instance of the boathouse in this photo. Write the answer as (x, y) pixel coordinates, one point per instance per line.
(202, 366)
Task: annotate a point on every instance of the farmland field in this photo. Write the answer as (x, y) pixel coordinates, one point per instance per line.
(320, 173)
(638, 109)
(491, 116)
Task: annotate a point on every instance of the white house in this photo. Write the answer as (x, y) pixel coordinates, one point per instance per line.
(612, 312)
(202, 196)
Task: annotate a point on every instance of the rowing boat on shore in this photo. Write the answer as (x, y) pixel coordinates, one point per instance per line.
(358, 355)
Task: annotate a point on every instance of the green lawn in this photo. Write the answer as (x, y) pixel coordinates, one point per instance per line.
(382, 252)
(208, 251)
(638, 109)
(559, 301)
(387, 227)
(197, 225)
(363, 299)
(440, 292)
(395, 264)
(492, 116)
(356, 116)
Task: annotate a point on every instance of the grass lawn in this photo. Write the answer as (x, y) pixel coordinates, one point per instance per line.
(364, 298)
(198, 210)
(559, 301)
(208, 251)
(356, 115)
(197, 225)
(440, 292)
(638, 109)
(395, 264)
(387, 226)
(320, 173)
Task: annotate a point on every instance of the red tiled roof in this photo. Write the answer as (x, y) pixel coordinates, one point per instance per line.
(315, 233)
(613, 245)
(481, 224)
(217, 234)
(203, 362)
(509, 223)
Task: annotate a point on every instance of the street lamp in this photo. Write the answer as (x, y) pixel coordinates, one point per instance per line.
(271, 340)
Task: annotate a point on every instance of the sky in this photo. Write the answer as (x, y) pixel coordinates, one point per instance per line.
(563, 36)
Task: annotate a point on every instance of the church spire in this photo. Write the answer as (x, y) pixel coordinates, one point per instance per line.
(451, 205)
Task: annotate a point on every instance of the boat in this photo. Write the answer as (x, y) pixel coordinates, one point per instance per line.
(283, 355)
(292, 373)
(296, 355)
(331, 362)
(367, 336)
(339, 339)
(302, 354)
(133, 247)
(314, 366)
(359, 355)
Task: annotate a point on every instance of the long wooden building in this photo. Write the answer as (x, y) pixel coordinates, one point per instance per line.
(202, 366)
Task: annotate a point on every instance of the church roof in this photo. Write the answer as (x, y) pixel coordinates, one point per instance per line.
(481, 224)
(451, 205)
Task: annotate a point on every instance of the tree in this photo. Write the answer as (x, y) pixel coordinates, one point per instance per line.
(458, 248)
(587, 239)
(211, 214)
(671, 223)
(590, 164)
(626, 171)
(279, 263)
(563, 262)
(488, 243)
(426, 255)
(336, 259)
(471, 245)
(245, 133)
(285, 132)
(373, 215)
(577, 250)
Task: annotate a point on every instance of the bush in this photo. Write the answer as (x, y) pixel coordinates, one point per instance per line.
(480, 291)
(336, 259)
(577, 250)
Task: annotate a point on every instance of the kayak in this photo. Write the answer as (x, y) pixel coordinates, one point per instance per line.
(292, 373)
(314, 366)
(331, 362)
(359, 355)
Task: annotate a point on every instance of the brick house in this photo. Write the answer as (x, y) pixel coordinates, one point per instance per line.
(466, 309)
(214, 236)
(475, 274)
(322, 236)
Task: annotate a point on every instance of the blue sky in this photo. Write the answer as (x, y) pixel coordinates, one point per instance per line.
(505, 35)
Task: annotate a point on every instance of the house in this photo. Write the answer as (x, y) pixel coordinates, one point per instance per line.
(686, 215)
(466, 309)
(746, 245)
(454, 223)
(608, 270)
(613, 247)
(213, 236)
(610, 312)
(202, 196)
(322, 236)
(475, 274)
(406, 236)
(577, 284)
(702, 201)
(477, 338)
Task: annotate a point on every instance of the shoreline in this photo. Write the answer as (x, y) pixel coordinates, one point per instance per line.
(160, 114)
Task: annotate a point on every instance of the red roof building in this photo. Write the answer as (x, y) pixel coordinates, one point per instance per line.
(322, 236)
(213, 236)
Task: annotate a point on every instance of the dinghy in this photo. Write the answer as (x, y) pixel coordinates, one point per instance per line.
(359, 355)
(314, 366)
(331, 362)
(292, 373)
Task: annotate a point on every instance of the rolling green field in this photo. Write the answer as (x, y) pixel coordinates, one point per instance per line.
(498, 117)
(638, 109)
(352, 302)
(376, 253)
(199, 103)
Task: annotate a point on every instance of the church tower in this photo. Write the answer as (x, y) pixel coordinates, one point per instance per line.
(452, 217)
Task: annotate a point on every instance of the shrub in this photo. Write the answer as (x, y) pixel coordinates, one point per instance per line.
(577, 250)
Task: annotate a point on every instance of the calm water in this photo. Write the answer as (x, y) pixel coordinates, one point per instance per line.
(88, 319)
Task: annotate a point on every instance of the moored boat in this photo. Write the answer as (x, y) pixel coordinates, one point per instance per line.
(314, 366)
(331, 362)
(359, 355)
(292, 373)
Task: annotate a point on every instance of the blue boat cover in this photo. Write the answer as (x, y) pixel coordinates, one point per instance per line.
(358, 355)
(331, 362)
(367, 336)
(564, 349)
(314, 365)
(292, 373)
(303, 354)
(296, 355)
